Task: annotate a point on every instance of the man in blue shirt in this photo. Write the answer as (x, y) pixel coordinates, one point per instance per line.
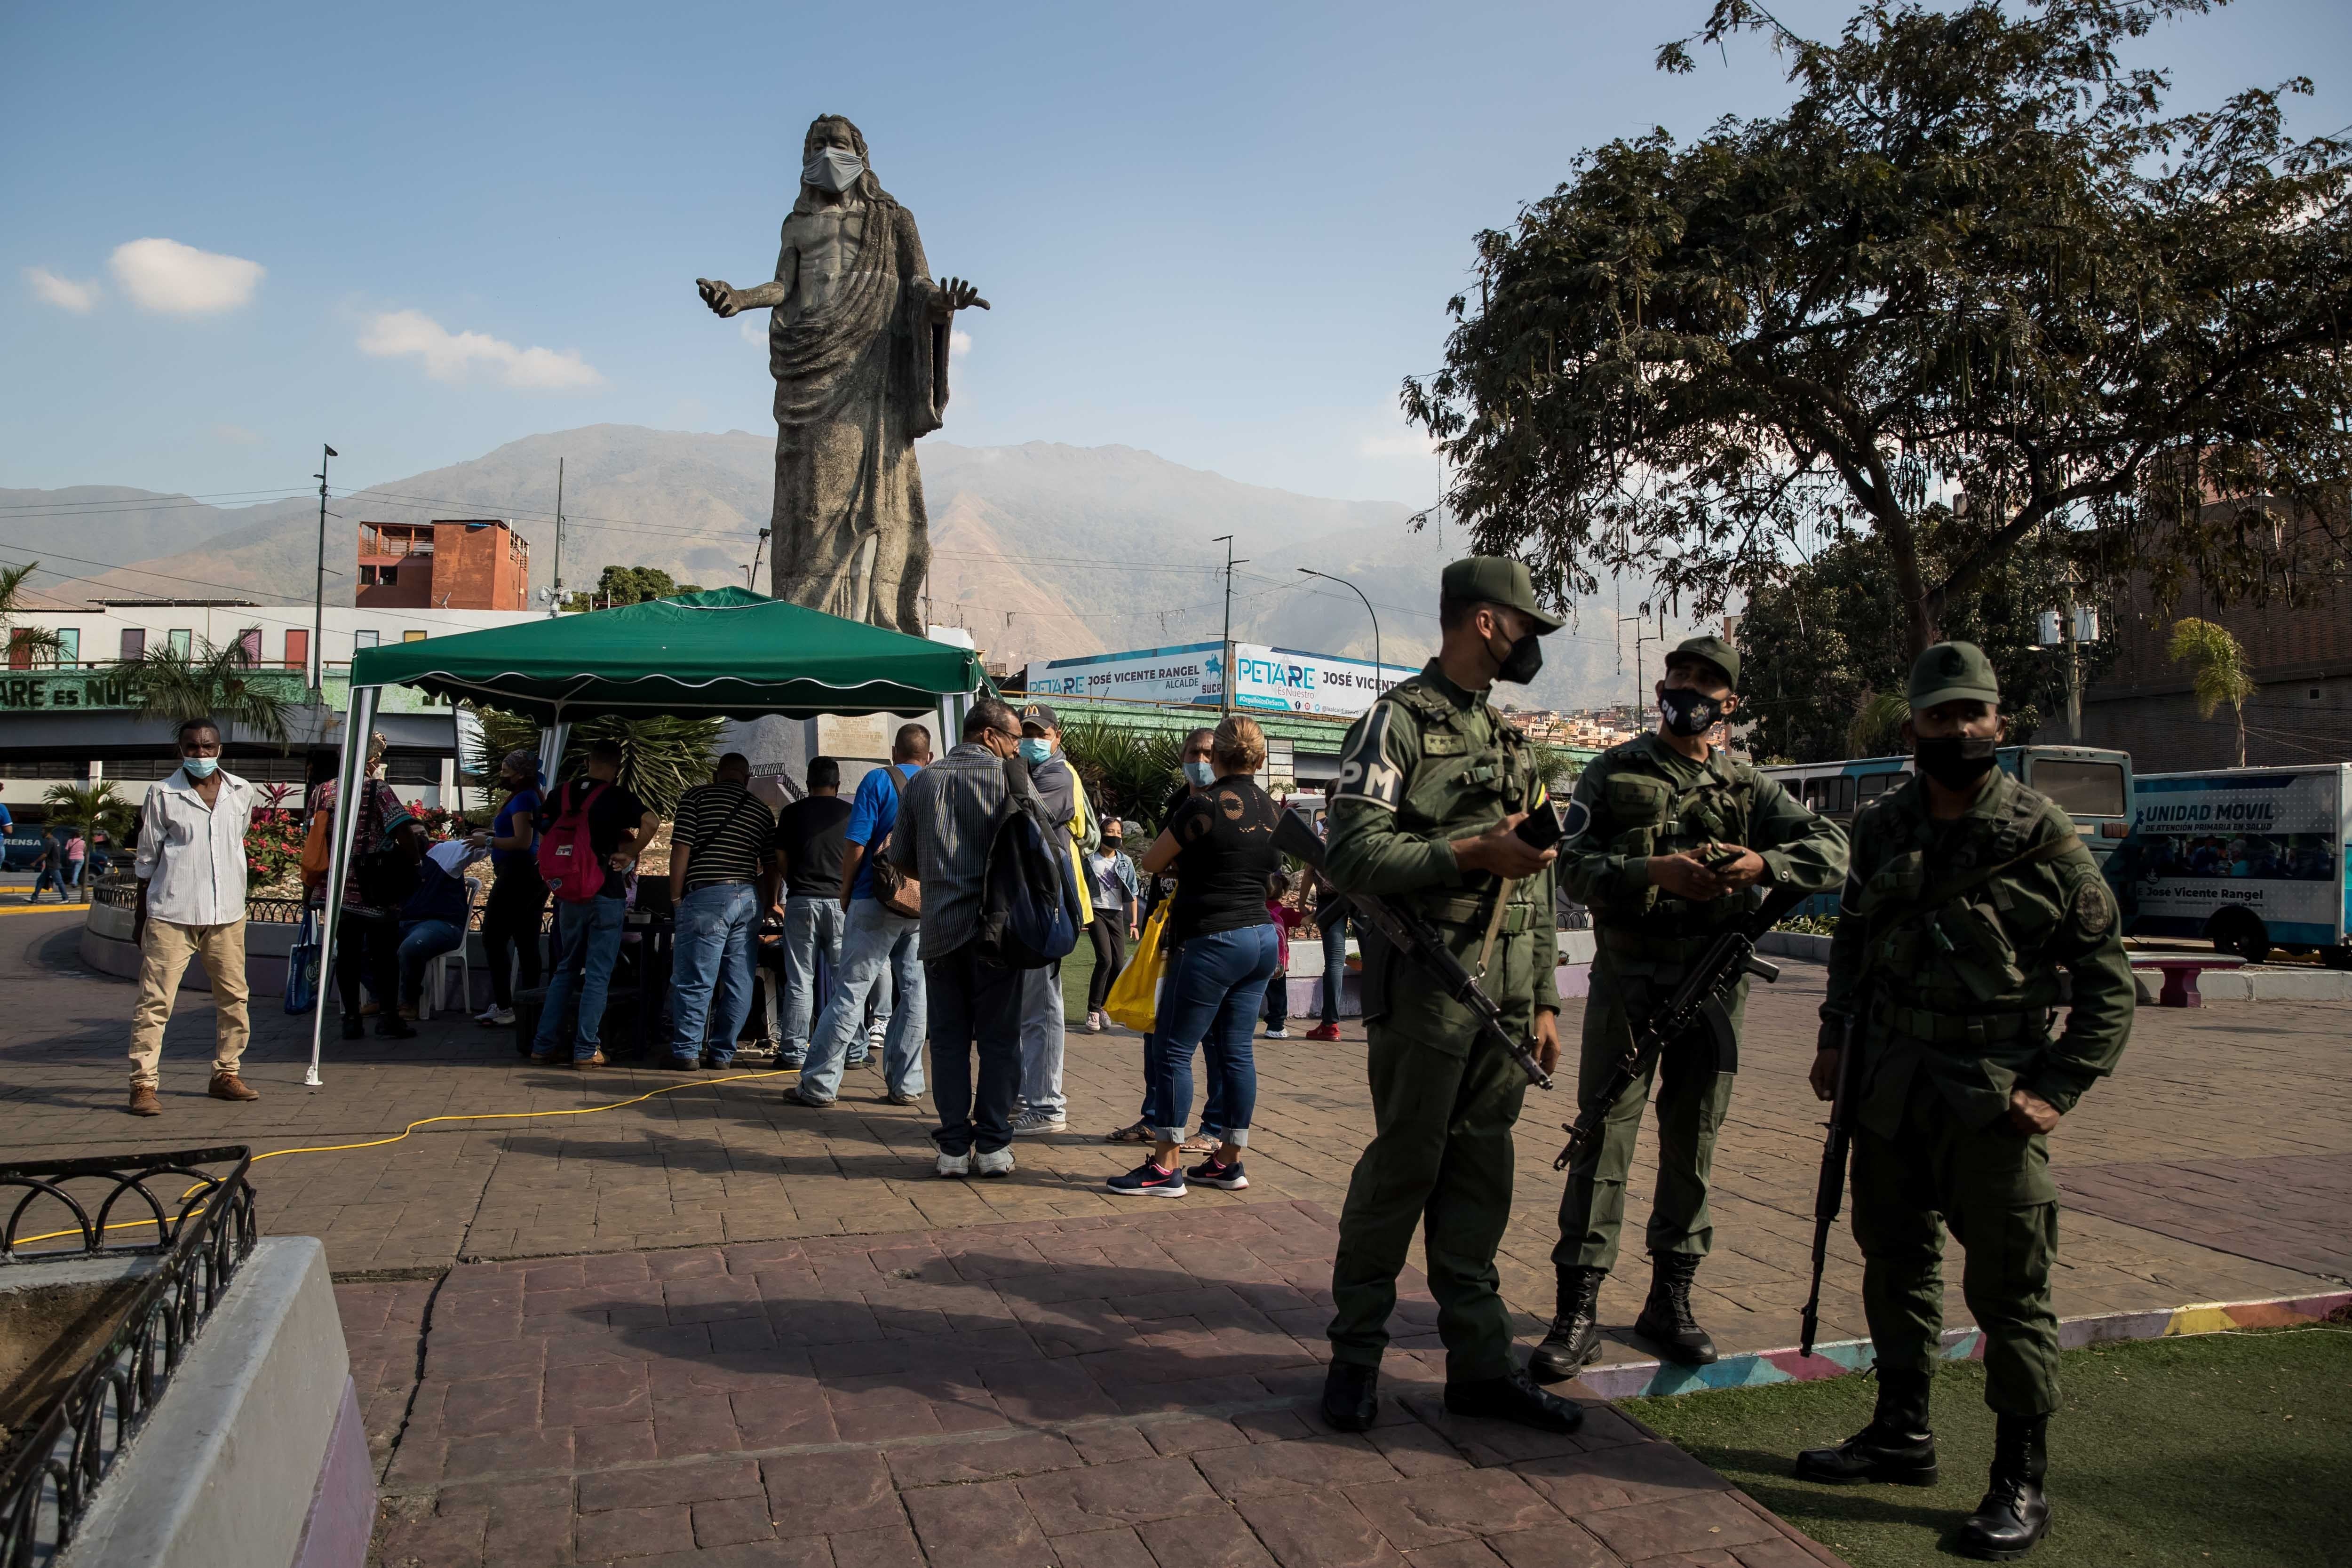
(878, 950)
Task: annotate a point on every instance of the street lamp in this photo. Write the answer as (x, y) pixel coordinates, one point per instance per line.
(1378, 669)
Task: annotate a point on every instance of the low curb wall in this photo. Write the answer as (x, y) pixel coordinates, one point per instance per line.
(255, 1456)
(1760, 1369)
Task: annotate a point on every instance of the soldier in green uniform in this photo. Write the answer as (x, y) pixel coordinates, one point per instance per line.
(1666, 838)
(1433, 785)
(1969, 892)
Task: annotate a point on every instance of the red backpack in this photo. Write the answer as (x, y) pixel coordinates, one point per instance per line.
(567, 861)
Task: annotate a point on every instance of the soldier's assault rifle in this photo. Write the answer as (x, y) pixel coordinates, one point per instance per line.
(1418, 941)
(1696, 1003)
(1829, 1196)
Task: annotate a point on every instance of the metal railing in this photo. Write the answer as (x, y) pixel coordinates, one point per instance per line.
(205, 1229)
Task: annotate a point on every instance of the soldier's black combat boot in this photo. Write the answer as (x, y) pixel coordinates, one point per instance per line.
(1574, 1342)
(1665, 1320)
(2014, 1514)
(1351, 1395)
(1897, 1445)
(1512, 1398)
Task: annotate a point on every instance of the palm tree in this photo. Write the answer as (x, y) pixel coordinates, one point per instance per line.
(661, 758)
(214, 682)
(2217, 670)
(35, 640)
(1127, 773)
(1876, 729)
(90, 807)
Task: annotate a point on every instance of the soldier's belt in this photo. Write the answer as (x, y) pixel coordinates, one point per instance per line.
(1954, 1029)
(1471, 910)
(1641, 945)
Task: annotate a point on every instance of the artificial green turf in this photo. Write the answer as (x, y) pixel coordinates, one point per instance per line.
(2220, 1450)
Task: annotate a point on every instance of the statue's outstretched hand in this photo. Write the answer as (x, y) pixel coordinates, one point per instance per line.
(955, 294)
(719, 295)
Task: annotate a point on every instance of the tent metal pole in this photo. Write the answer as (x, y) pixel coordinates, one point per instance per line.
(359, 723)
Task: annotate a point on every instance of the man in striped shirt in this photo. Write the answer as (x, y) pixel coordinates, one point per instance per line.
(717, 872)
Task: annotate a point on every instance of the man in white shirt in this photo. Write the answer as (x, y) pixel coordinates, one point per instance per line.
(190, 869)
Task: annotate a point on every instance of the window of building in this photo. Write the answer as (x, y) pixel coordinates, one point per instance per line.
(249, 642)
(365, 639)
(20, 647)
(46, 769)
(181, 640)
(68, 645)
(412, 634)
(410, 769)
(297, 649)
(134, 642)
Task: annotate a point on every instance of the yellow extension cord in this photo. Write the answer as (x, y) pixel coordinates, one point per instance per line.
(429, 1120)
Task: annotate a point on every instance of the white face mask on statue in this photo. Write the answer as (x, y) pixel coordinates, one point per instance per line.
(831, 169)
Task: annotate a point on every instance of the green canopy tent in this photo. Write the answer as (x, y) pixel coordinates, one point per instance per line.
(727, 654)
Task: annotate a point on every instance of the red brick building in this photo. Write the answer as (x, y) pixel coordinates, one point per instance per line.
(2301, 663)
(463, 563)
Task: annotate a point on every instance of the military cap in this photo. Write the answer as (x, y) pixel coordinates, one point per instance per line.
(1950, 671)
(1041, 714)
(1711, 650)
(1496, 580)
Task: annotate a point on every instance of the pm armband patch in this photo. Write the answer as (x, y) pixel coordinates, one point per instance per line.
(1579, 818)
(2094, 909)
(1365, 772)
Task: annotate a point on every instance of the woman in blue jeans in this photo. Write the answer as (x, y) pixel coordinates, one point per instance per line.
(1221, 843)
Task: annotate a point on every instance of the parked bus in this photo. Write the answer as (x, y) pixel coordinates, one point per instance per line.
(2092, 785)
(2247, 858)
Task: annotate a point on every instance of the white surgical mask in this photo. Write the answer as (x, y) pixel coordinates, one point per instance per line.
(1202, 774)
(831, 169)
(200, 767)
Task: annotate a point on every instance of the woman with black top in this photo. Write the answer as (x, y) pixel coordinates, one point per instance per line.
(1221, 842)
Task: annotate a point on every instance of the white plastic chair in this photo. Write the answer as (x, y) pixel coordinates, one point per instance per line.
(436, 971)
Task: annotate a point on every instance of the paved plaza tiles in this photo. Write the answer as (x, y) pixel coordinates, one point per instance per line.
(715, 1327)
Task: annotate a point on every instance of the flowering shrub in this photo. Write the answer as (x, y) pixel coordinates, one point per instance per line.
(273, 845)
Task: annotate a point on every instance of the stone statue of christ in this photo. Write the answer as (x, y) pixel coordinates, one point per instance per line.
(857, 342)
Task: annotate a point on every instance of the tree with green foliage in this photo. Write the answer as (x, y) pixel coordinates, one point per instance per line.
(1976, 257)
(220, 683)
(2218, 670)
(620, 585)
(1827, 663)
(87, 808)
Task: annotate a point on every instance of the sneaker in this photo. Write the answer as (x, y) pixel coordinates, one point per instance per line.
(1209, 1173)
(1323, 1032)
(992, 1162)
(497, 1019)
(794, 1096)
(899, 1096)
(1032, 1122)
(1093, 1023)
(1148, 1181)
(1277, 1033)
(952, 1165)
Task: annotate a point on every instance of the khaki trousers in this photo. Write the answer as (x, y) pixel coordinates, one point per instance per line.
(165, 953)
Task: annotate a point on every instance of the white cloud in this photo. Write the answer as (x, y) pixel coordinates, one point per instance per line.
(180, 280)
(237, 435)
(63, 292)
(753, 331)
(959, 344)
(454, 356)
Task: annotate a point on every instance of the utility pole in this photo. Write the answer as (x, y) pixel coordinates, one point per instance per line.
(555, 604)
(751, 573)
(319, 594)
(1641, 635)
(1226, 646)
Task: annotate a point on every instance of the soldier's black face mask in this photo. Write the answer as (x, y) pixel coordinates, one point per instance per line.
(1956, 762)
(1520, 659)
(1689, 712)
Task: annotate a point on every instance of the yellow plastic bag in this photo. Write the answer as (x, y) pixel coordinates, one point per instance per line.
(1134, 997)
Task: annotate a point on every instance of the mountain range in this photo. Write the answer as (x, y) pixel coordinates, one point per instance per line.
(1041, 551)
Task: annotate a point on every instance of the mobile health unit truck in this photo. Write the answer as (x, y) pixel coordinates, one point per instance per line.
(2249, 859)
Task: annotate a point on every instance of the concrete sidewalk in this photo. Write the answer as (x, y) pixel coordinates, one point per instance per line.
(1130, 1390)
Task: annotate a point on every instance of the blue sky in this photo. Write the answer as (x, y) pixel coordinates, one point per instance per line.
(1220, 232)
